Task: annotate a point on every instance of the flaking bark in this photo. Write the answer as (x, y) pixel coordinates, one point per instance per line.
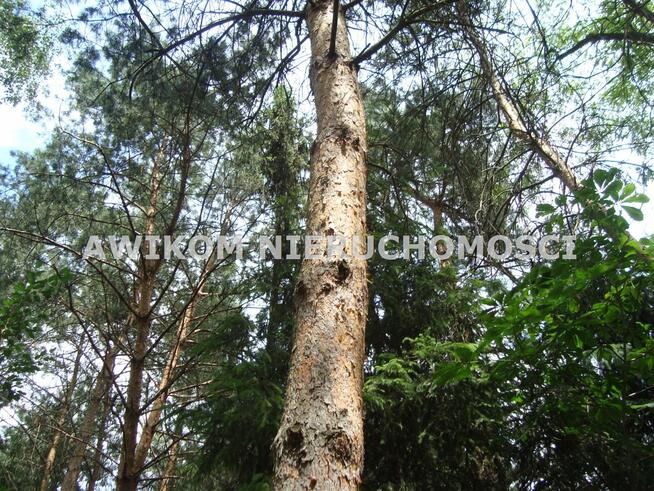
(319, 444)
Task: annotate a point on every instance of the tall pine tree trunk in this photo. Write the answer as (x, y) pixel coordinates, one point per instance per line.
(320, 441)
(128, 473)
(168, 373)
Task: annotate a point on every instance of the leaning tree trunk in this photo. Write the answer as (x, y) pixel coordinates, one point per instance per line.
(319, 444)
(165, 384)
(97, 468)
(85, 434)
(517, 124)
(61, 421)
(168, 374)
(168, 476)
(521, 130)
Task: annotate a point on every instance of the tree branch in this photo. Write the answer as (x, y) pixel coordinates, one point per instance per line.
(596, 37)
(405, 21)
(640, 9)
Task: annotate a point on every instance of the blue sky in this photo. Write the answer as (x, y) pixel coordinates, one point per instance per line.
(17, 133)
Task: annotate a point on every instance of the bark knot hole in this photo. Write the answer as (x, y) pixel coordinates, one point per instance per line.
(295, 446)
(340, 446)
(294, 440)
(343, 271)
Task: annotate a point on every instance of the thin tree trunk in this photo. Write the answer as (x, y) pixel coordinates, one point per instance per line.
(166, 381)
(164, 387)
(61, 421)
(102, 385)
(166, 482)
(128, 474)
(514, 119)
(522, 131)
(97, 469)
(319, 444)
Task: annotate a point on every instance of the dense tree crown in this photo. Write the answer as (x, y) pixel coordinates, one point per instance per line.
(221, 371)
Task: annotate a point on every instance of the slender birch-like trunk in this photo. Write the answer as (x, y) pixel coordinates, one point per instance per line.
(319, 444)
